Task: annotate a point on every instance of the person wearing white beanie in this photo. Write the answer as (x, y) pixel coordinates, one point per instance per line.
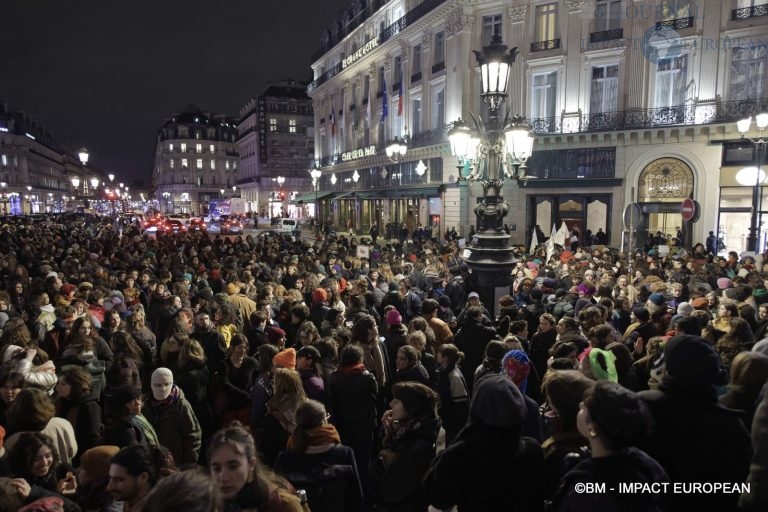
(173, 419)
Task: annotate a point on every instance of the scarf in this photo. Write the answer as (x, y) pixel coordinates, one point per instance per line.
(171, 399)
(138, 421)
(352, 369)
(322, 434)
(374, 361)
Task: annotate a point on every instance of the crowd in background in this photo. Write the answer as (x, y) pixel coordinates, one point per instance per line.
(268, 373)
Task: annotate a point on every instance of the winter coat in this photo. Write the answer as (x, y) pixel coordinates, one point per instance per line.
(472, 339)
(353, 398)
(415, 373)
(397, 483)
(485, 467)
(684, 441)
(454, 401)
(177, 428)
(194, 379)
(629, 465)
(85, 417)
(329, 477)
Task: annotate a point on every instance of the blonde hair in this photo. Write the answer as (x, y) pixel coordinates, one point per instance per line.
(417, 340)
(288, 382)
(191, 351)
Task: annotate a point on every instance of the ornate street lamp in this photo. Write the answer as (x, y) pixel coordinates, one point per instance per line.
(315, 174)
(4, 186)
(397, 148)
(753, 239)
(490, 151)
(82, 154)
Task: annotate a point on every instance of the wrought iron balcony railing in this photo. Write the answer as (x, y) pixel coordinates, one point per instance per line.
(541, 46)
(385, 35)
(745, 13)
(677, 24)
(689, 114)
(606, 35)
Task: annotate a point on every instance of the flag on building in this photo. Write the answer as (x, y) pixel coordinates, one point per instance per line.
(400, 97)
(333, 121)
(385, 100)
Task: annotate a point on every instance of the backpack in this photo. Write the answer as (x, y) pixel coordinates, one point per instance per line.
(561, 309)
(413, 300)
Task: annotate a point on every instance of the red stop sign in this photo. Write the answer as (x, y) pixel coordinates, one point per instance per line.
(688, 209)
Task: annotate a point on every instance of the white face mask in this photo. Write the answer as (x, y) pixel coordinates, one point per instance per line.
(161, 386)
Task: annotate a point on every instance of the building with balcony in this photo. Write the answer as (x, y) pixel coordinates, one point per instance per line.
(276, 141)
(33, 166)
(196, 163)
(630, 101)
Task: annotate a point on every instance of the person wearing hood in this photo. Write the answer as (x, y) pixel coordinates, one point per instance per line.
(128, 425)
(308, 366)
(472, 339)
(490, 464)
(688, 421)
(172, 417)
(319, 306)
(516, 366)
(613, 419)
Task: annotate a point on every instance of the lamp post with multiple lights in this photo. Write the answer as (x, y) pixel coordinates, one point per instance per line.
(315, 174)
(761, 120)
(493, 150)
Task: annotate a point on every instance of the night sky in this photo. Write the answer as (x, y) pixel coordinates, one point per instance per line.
(105, 74)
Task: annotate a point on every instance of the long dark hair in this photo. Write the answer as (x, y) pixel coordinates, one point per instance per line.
(22, 456)
(309, 415)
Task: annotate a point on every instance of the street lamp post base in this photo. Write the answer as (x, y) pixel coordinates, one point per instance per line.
(490, 256)
(752, 241)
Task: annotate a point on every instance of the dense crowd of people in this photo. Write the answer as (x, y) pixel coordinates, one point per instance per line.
(261, 372)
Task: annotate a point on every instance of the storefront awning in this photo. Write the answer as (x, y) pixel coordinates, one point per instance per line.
(310, 198)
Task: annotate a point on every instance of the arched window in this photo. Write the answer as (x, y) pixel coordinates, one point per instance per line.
(666, 180)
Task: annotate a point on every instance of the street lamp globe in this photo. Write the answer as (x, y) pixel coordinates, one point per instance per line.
(356, 176)
(315, 173)
(519, 140)
(280, 180)
(82, 154)
(75, 181)
(459, 136)
(495, 64)
(421, 168)
(95, 182)
(111, 177)
(396, 148)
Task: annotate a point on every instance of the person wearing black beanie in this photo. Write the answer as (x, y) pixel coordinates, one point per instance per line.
(693, 437)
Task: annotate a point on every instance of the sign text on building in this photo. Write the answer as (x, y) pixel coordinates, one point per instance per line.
(358, 153)
(360, 52)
